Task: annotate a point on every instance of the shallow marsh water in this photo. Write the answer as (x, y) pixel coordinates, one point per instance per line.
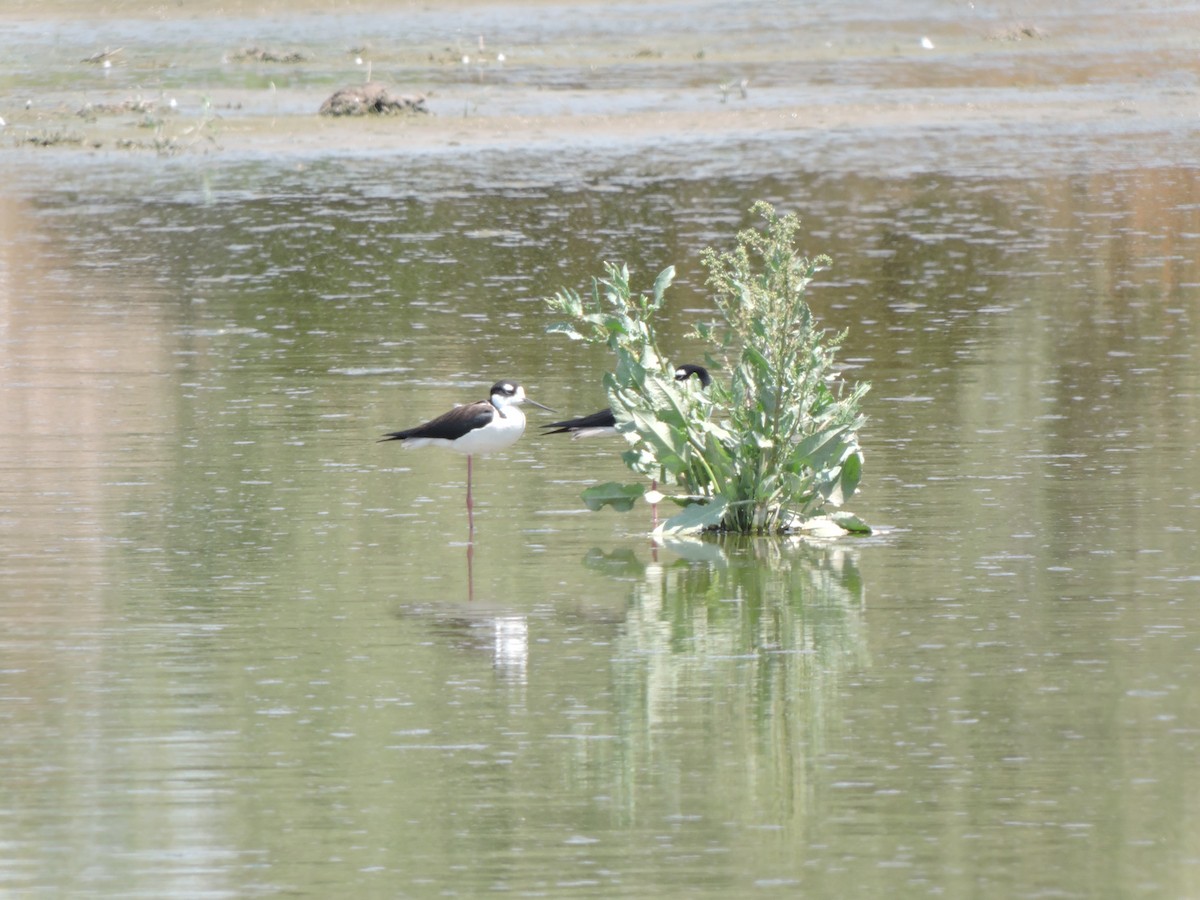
(246, 650)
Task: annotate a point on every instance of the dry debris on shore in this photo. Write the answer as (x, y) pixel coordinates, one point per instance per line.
(372, 98)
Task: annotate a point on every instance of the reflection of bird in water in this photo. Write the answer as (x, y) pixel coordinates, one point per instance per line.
(482, 427)
(505, 636)
(604, 422)
(620, 563)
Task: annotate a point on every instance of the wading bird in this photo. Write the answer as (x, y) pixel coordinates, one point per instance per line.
(604, 422)
(482, 427)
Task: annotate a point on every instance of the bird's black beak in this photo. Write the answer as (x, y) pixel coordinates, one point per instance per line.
(539, 405)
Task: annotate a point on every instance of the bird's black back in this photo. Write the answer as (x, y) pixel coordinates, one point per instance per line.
(602, 419)
(449, 426)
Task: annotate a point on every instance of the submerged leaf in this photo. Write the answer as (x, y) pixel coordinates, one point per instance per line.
(850, 522)
(620, 497)
(696, 517)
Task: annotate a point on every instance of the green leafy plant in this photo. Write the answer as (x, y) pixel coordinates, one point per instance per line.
(771, 448)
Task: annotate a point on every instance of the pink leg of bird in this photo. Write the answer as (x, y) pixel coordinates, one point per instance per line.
(470, 571)
(470, 506)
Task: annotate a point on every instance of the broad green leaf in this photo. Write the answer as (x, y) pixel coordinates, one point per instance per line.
(753, 357)
(657, 434)
(628, 372)
(662, 282)
(667, 402)
(847, 482)
(649, 360)
(850, 522)
(719, 432)
(812, 449)
(620, 497)
(564, 328)
(638, 460)
(696, 517)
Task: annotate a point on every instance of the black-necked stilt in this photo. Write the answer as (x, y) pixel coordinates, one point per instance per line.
(604, 422)
(482, 427)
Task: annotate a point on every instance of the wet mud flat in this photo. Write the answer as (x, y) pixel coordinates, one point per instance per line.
(851, 85)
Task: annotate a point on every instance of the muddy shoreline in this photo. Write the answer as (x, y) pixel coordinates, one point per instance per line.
(115, 79)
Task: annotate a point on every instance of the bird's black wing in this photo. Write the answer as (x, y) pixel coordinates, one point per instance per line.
(602, 419)
(450, 425)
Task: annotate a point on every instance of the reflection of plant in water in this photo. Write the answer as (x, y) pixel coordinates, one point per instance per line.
(753, 596)
(746, 648)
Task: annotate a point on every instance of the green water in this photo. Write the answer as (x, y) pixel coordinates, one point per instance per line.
(245, 650)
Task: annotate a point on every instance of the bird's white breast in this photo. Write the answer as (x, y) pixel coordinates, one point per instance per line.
(503, 431)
